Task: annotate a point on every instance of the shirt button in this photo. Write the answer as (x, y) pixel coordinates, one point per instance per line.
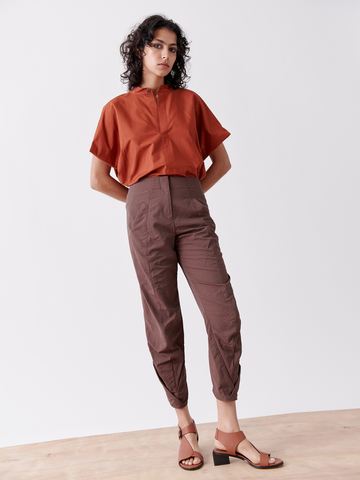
(149, 91)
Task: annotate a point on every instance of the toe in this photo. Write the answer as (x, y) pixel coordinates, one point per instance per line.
(191, 461)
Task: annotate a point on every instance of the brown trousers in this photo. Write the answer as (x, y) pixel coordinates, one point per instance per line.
(169, 224)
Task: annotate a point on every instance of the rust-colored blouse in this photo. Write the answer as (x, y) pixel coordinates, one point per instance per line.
(140, 138)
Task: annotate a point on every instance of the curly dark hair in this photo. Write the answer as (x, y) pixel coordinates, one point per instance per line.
(136, 41)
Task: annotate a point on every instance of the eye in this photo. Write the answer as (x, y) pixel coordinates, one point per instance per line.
(173, 50)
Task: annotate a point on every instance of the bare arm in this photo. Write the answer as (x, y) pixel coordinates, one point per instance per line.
(220, 165)
(102, 181)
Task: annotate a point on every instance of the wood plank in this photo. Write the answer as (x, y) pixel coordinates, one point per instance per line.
(314, 445)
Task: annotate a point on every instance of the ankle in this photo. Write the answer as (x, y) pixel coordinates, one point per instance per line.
(184, 417)
(228, 427)
(227, 417)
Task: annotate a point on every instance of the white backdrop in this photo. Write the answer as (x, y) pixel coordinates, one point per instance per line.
(283, 78)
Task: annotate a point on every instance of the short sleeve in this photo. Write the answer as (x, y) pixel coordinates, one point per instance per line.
(210, 131)
(106, 142)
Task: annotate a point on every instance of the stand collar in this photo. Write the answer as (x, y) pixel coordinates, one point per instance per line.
(140, 90)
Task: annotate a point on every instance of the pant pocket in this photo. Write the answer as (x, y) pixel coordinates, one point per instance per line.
(136, 218)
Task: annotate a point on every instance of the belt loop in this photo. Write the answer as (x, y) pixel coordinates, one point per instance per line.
(163, 182)
(155, 183)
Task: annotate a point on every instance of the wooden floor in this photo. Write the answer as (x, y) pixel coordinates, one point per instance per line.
(316, 445)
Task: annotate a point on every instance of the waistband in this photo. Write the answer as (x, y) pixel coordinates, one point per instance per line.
(166, 181)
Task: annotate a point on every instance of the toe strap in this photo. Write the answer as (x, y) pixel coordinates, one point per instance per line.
(186, 451)
(198, 455)
(184, 454)
(264, 459)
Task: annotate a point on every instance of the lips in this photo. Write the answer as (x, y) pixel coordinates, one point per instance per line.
(163, 65)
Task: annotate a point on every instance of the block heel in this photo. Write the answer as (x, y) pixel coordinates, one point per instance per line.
(220, 459)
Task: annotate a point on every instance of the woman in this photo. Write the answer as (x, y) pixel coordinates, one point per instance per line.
(156, 137)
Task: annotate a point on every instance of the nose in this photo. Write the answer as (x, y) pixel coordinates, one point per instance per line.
(165, 53)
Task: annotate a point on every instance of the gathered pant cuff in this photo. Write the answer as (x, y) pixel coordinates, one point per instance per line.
(175, 403)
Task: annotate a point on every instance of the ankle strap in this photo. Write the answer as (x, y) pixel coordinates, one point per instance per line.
(191, 428)
(230, 440)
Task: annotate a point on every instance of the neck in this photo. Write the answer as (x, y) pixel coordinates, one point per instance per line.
(152, 82)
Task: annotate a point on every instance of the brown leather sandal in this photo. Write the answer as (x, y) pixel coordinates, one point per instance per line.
(186, 451)
(230, 442)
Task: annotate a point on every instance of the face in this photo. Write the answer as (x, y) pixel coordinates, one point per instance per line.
(160, 53)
